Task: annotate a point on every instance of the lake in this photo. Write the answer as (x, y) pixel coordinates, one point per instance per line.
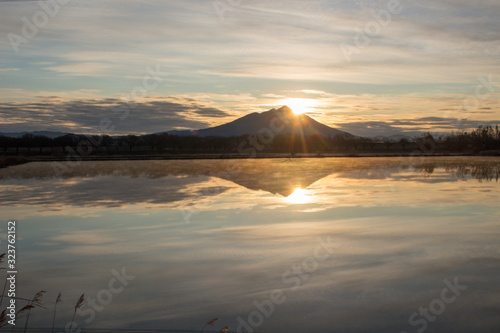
(266, 245)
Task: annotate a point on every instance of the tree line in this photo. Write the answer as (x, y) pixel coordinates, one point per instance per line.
(480, 139)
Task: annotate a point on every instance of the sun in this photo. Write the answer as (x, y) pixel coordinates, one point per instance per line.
(299, 105)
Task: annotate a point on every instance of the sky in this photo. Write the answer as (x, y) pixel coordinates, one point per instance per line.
(368, 67)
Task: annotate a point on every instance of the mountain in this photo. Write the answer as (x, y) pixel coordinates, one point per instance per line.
(280, 121)
(43, 133)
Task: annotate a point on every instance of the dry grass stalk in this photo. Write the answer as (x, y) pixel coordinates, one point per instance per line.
(79, 303)
(3, 318)
(24, 309)
(36, 300)
(209, 323)
(58, 299)
(2, 256)
(224, 330)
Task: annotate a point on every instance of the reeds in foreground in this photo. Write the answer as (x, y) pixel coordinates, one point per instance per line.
(36, 300)
(224, 330)
(3, 318)
(209, 323)
(5, 284)
(58, 299)
(79, 303)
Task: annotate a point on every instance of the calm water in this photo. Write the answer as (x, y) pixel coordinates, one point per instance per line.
(303, 245)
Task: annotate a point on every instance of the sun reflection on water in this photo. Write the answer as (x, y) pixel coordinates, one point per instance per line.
(299, 196)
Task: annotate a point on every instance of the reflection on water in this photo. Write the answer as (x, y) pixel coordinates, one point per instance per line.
(401, 227)
(184, 183)
(300, 196)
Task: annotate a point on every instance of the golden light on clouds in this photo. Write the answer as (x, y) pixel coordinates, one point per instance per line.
(300, 105)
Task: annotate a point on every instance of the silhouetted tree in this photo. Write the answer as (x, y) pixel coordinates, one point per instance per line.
(65, 141)
(5, 143)
(151, 140)
(388, 143)
(107, 142)
(17, 143)
(42, 141)
(427, 143)
(131, 141)
(404, 142)
(28, 141)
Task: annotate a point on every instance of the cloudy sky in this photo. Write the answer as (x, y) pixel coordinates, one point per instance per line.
(365, 66)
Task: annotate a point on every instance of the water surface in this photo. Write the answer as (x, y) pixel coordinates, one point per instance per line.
(273, 245)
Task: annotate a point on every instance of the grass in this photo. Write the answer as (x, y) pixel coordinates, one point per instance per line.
(37, 302)
(58, 299)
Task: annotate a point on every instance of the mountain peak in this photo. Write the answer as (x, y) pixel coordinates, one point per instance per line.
(285, 108)
(254, 123)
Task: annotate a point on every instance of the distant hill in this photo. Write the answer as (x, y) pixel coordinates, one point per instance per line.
(252, 123)
(49, 134)
(394, 137)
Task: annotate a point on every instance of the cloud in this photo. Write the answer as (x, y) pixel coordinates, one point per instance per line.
(145, 116)
(413, 126)
(8, 69)
(261, 50)
(313, 92)
(83, 68)
(282, 39)
(367, 114)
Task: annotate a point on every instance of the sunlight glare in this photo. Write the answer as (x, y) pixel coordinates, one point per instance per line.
(299, 196)
(299, 105)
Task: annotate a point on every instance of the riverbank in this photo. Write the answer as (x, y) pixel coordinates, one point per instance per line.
(6, 161)
(15, 160)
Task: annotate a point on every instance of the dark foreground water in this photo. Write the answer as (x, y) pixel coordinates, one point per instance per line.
(303, 245)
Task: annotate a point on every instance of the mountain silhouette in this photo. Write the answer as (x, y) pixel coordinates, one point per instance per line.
(279, 121)
(49, 134)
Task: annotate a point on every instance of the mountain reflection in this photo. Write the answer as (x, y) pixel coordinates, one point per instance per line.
(184, 183)
(398, 229)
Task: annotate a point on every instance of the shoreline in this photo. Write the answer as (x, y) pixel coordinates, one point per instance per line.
(12, 160)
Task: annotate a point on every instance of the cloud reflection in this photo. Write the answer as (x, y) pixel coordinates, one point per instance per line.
(181, 184)
(403, 226)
